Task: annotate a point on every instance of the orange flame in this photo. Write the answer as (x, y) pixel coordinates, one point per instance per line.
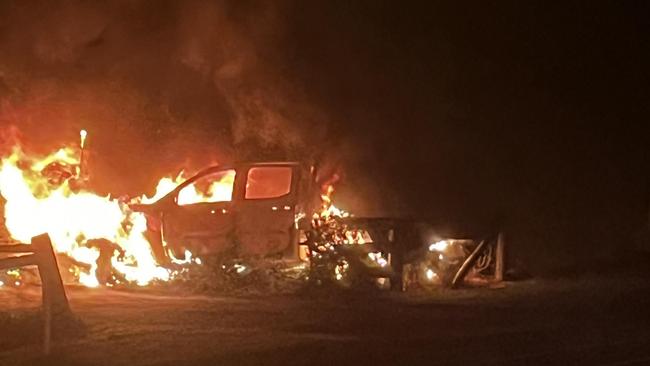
(36, 203)
(327, 206)
(219, 190)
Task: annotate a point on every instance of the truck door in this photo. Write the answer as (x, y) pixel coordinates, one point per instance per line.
(266, 211)
(201, 219)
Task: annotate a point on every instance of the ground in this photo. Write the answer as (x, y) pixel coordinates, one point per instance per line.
(592, 319)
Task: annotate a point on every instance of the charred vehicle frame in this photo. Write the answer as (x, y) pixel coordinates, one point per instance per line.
(266, 213)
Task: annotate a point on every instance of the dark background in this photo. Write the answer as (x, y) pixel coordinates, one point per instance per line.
(531, 116)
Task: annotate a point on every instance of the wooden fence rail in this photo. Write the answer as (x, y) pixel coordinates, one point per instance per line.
(41, 254)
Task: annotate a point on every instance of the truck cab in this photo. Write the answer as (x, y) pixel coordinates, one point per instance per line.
(247, 209)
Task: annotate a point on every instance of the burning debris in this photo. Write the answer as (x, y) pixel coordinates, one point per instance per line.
(47, 194)
(394, 253)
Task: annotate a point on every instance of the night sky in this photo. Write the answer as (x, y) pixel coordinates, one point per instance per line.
(530, 116)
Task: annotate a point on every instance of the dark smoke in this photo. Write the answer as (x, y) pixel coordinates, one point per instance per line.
(159, 85)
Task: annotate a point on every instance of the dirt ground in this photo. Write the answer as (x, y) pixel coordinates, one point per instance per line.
(591, 320)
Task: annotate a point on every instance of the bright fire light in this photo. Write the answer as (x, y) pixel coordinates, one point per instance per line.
(431, 274)
(83, 134)
(39, 199)
(219, 190)
(439, 246)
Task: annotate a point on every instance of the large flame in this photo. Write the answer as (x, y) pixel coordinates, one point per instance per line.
(218, 189)
(41, 197)
(164, 187)
(327, 219)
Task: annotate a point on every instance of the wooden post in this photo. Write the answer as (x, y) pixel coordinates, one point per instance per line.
(52, 285)
(16, 248)
(499, 266)
(17, 262)
(47, 327)
(55, 301)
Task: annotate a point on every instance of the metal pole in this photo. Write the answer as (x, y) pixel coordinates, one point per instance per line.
(467, 265)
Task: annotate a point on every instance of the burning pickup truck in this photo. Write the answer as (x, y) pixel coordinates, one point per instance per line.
(277, 210)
